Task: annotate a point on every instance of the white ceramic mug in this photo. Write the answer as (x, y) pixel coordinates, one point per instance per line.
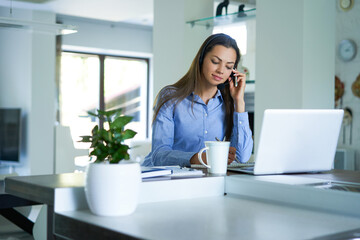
(216, 155)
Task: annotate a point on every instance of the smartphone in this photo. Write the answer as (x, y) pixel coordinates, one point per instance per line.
(233, 78)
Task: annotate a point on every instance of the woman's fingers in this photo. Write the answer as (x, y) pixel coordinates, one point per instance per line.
(232, 154)
(241, 79)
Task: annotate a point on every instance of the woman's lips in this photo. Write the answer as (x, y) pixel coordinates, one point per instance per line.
(217, 78)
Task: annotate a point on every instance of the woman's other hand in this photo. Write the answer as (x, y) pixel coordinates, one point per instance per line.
(232, 155)
(195, 160)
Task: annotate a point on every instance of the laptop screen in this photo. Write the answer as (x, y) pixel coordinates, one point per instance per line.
(297, 140)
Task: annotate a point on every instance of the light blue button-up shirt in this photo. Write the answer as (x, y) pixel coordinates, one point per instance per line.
(178, 135)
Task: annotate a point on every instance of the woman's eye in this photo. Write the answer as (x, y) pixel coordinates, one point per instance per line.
(214, 62)
(229, 68)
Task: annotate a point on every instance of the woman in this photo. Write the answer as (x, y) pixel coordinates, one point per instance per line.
(193, 110)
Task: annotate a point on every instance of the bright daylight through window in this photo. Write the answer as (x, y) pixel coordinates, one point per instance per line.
(125, 82)
(237, 31)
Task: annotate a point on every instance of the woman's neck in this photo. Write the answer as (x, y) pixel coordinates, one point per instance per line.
(206, 92)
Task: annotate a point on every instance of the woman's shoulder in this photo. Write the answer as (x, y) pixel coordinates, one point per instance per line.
(167, 91)
(172, 96)
(166, 97)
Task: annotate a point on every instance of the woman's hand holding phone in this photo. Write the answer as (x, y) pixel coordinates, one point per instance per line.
(237, 89)
(233, 78)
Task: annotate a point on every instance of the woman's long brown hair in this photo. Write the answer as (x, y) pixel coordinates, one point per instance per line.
(186, 85)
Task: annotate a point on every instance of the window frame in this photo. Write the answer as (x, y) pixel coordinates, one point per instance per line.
(102, 58)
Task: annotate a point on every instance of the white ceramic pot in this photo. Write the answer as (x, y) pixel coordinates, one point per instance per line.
(112, 189)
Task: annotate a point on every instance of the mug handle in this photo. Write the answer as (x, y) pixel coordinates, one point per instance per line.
(200, 159)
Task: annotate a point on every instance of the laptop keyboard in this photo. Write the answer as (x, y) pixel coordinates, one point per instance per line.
(232, 165)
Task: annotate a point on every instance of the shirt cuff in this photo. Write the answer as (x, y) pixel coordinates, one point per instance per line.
(241, 119)
(185, 158)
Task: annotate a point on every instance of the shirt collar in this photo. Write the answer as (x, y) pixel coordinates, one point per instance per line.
(218, 95)
(198, 99)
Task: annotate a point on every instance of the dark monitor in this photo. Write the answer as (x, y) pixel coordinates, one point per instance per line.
(10, 136)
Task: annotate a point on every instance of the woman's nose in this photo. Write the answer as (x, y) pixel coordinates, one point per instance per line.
(220, 69)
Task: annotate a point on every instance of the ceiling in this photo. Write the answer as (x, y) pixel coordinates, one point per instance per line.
(130, 11)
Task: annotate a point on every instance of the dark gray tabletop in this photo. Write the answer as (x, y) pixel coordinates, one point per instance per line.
(40, 188)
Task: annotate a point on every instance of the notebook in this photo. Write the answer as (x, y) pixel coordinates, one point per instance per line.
(296, 141)
(150, 172)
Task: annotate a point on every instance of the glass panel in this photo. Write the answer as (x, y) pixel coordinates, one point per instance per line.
(78, 93)
(126, 87)
(225, 19)
(347, 187)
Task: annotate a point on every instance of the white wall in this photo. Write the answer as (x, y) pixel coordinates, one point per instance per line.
(294, 55)
(15, 79)
(347, 27)
(27, 81)
(176, 42)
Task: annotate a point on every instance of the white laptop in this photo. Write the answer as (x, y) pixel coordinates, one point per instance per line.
(296, 140)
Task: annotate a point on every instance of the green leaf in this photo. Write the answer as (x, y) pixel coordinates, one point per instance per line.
(95, 130)
(93, 114)
(107, 113)
(100, 158)
(124, 147)
(105, 135)
(110, 113)
(128, 133)
(121, 153)
(95, 142)
(114, 160)
(106, 144)
(85, 139)
(118, 136)
(118, 114)
(120, 122)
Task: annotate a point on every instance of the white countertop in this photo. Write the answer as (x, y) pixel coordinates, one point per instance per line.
(174, 212)
(214, 218)
(298, 191)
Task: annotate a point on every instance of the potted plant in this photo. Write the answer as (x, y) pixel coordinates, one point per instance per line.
(112, 185)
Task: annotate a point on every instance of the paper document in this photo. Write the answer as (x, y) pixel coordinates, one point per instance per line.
(179, 172)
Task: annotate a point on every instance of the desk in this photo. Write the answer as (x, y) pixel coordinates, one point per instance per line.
(336, 175)
(205, 215)
(41, 189)
(66, 191)
(7, 204)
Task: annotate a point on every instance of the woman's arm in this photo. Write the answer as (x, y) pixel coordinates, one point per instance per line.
(241, 137)
(162, 153)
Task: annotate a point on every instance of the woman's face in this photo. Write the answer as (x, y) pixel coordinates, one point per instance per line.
(218, 65)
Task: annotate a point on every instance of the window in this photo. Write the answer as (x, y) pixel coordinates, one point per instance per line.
(90, 81)
(238, 31)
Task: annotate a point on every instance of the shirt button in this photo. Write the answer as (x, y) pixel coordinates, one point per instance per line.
(205, 132)
(205, 114)
(240, 122)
